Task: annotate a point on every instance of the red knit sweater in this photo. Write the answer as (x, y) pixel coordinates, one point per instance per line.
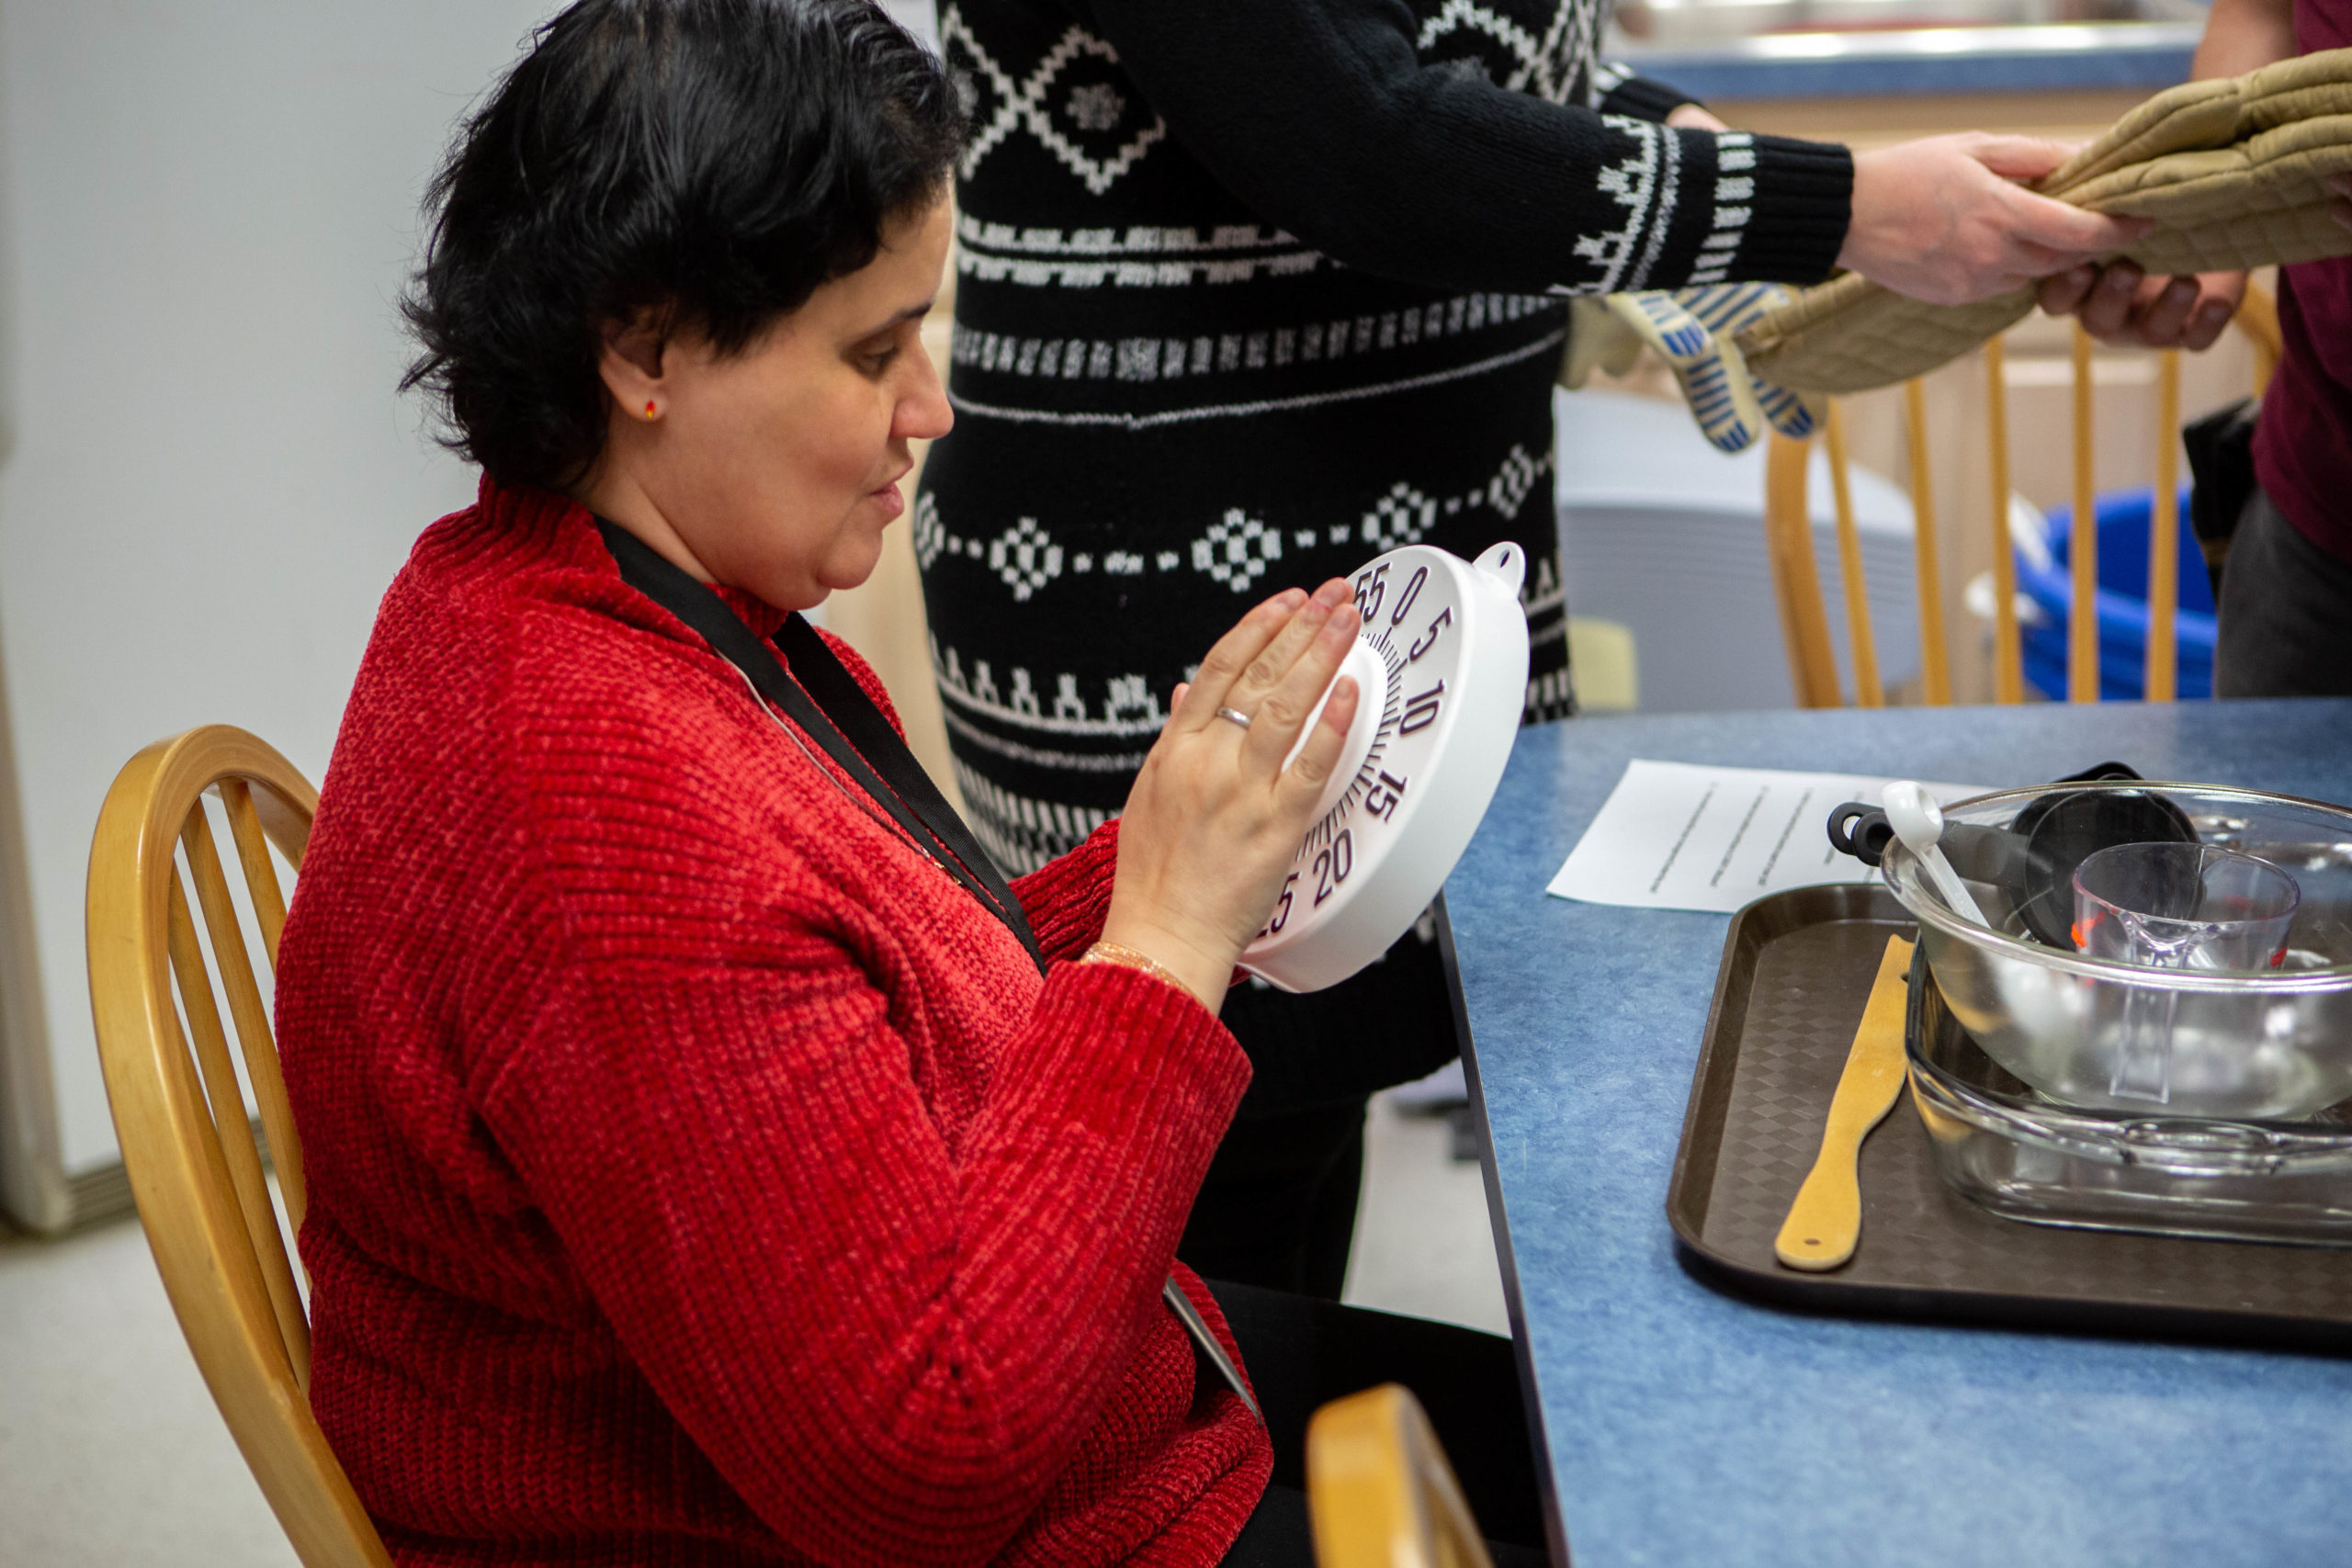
(697, 1174)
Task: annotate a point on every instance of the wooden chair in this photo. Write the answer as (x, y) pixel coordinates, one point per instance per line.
(1379, 1491)
(1788, 527)
(187, 1141)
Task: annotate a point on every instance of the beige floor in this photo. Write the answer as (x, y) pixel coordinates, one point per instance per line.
(111, 1455)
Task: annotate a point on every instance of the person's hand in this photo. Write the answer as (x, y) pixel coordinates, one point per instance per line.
(1691, 117)
(1214, 819)
(2117, 303)
(1939, 220)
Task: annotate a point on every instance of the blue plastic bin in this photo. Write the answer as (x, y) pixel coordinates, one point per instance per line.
(2123, 604)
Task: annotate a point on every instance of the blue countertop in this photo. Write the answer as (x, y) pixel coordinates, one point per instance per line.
(1685, 1426)
(2049, 58)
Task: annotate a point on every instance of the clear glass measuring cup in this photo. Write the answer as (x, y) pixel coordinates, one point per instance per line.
(2174, 906)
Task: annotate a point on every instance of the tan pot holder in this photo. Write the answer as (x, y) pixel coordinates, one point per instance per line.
(2232, 171)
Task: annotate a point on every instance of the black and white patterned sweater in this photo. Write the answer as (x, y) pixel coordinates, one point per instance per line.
(1248, 292)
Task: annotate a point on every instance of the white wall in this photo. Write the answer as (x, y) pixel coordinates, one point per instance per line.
(920, 17)
(207, 208)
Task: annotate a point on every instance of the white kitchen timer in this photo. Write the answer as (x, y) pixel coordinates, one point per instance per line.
(1441, 661)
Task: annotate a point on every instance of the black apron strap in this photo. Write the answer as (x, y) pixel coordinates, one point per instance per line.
(835, 711)
(820, 670)
(837, 714)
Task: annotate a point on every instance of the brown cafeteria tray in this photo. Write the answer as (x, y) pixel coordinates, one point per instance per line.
(1797, 968)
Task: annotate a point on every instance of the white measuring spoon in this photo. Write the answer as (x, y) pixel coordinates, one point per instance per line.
(1919, 821)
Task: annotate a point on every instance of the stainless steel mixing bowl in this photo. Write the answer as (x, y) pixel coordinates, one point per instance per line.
(2273, 1044)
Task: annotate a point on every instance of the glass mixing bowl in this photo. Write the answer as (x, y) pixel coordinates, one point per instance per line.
(2274, 1045)
(1999, 1143)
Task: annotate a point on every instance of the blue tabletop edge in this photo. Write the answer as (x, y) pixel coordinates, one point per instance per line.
(1683, 1424)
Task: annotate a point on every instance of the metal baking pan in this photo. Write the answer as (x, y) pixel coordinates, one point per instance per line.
(1797, 968)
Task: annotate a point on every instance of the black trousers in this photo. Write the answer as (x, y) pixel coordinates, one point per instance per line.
(2286, 612)
(1278, 1206)
(1302, 1353)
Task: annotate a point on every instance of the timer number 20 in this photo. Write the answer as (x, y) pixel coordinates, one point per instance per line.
(1332, 865)
(1331, 868)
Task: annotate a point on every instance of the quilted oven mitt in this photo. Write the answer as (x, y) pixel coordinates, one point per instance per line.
(2233, 172)
(1692, 331)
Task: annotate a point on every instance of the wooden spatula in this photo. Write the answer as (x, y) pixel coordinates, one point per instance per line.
(1827, 1218)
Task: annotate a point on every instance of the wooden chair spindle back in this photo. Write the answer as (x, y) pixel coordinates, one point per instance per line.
(1788, 527)
(2082, 619)
(180, 1106)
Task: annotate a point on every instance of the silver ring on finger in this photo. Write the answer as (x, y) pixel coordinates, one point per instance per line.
(1234, 715)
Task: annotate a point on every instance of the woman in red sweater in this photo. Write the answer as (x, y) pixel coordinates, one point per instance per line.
(712, 1160)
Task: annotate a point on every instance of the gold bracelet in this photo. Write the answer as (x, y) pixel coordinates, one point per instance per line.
(1129, 958)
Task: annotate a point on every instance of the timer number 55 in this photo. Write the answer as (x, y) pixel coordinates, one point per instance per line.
(1373, 587)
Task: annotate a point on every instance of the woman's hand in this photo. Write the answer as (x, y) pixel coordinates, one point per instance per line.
(1938, 218)
(2118, 303)
(1214, 819)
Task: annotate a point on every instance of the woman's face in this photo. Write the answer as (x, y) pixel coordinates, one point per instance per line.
(775, 469)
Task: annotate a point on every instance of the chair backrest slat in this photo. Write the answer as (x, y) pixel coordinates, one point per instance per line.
(1788, 537)
(187, 1142)
(234, 1132)
(247, 1011)
(1813, 668)
(2082, 619)
(2008, 643)
(253, 853)
(215, 1207)
(1868, 692)
(2162, 681)
(2257, 318)
(1926, 552)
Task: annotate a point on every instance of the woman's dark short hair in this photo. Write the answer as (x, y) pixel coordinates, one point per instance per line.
(716, 159)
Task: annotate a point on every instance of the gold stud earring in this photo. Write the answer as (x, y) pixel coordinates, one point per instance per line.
(649, 409)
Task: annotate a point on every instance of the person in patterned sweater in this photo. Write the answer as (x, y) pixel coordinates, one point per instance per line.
(1250, 291)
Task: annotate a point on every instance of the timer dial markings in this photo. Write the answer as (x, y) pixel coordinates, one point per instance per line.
(1444, 641)
(1368, 770)
(1386, 604)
